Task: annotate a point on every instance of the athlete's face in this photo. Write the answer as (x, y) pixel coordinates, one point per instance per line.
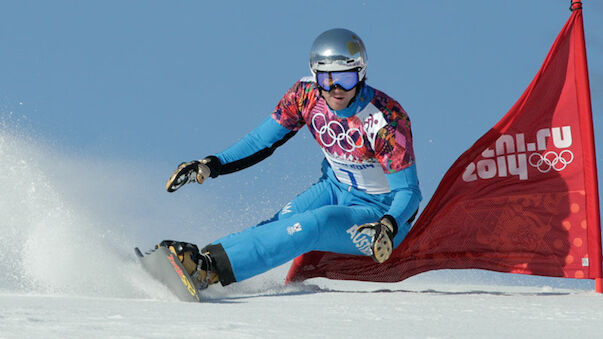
(338, 98)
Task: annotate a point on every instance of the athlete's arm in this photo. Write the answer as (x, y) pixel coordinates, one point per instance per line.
(405, 186)
(253, 148)
(394, 150)
(260, 143)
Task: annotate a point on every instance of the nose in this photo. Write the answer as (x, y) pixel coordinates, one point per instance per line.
(337, 90)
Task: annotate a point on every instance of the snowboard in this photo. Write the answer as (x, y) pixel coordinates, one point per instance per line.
(163, 265)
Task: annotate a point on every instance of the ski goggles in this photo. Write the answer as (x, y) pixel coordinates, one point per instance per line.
(329, 80)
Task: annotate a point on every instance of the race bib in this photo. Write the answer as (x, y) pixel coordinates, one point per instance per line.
(365, 176)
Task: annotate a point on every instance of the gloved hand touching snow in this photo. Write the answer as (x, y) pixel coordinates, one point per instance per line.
(383, 239)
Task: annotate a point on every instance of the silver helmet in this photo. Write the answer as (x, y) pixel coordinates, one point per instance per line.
(338, 49)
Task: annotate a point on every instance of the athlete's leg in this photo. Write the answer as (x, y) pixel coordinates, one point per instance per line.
(328, 228)
(320, 194)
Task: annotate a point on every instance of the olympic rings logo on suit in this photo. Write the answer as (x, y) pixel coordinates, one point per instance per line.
(337, 133)
(551, 160)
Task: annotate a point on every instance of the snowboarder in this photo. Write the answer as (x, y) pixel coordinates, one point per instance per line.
(368, 194)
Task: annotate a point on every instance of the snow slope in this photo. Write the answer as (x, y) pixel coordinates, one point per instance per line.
(303, 312)
(68, 225)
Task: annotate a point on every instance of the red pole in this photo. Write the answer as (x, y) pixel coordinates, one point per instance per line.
(593, 217)
(575, 4)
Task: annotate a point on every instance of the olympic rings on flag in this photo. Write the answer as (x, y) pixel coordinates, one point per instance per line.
(347, 140)
(551, 160)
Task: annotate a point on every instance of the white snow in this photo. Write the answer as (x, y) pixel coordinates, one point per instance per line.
(67, 229)
(304, 312)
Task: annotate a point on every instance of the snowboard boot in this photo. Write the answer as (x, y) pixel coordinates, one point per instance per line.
(205, 274)
(199, 266)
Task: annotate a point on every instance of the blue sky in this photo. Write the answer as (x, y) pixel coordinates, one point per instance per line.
(156, 83)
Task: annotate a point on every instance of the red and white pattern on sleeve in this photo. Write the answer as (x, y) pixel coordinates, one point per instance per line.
(393, 143)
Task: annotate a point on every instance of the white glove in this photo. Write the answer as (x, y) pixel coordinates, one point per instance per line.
(383, 238)
(187, 172)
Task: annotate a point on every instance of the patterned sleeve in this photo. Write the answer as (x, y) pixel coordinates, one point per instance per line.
(289, 111)
(393, 144)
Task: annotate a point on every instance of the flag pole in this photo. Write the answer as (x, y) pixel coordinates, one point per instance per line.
(592, 176)
(575, 4)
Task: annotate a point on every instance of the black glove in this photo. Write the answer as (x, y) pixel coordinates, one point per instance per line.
(384, 232)
(193, 171)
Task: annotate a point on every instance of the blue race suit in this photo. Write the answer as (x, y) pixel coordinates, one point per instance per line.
(369, 171)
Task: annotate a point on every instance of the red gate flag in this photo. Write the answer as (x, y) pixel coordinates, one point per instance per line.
(522, 199)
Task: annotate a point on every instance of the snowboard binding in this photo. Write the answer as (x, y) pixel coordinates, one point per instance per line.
(199, 266)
